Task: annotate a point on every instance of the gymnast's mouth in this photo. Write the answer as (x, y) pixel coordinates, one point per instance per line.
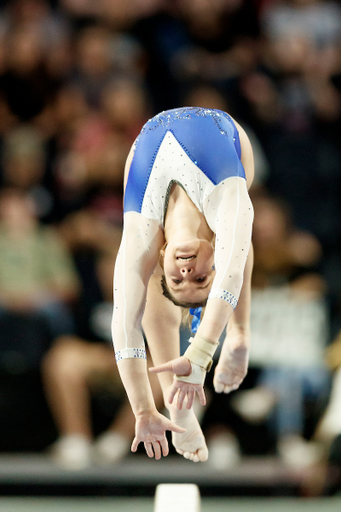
(186, 258)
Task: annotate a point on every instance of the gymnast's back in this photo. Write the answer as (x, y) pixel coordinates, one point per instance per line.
(197, 148)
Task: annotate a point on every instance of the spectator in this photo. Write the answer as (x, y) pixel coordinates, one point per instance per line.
(36, 271)
(93, 68)
(221, 39)
(25, 84)
(24, 165)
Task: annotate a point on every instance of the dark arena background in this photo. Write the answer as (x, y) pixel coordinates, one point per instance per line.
(78, 80)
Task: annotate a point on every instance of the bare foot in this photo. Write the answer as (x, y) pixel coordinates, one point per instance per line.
(233, 362)
(191, 444)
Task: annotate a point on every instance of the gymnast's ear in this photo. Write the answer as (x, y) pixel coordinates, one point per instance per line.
(162, 255)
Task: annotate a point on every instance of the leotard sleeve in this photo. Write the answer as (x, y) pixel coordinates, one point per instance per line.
(135, 262)
(229, 213)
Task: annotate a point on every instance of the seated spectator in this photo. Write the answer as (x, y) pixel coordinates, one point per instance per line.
(94, 66)
(26, 84)
(36, 270)
(24, 161)
(219, 41)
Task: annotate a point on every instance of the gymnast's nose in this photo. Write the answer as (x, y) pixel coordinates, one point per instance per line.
(186, 270)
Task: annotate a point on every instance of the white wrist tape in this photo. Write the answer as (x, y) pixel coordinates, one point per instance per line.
(197, 375)
(201, 351)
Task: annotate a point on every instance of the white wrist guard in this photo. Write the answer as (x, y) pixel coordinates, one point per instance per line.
(201, 351)
(197, 375)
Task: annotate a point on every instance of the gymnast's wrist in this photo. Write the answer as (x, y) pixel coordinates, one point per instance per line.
(144, 412)
(201, 351)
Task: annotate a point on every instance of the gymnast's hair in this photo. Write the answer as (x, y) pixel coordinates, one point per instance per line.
(186, 318)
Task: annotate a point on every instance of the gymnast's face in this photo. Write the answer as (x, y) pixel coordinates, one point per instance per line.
(189, 270)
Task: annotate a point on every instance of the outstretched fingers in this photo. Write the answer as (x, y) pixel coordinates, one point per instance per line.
(179, 366)
(156, 448)
(202, 397)
(153, 449)
(134, 444)
(164, 447)
(165, 367)
(181, 397)
(172, 392)
(190, 399)
(149, 449)
(151, 430)
(186, 392)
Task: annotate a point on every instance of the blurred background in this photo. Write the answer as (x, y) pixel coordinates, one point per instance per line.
(78, 79)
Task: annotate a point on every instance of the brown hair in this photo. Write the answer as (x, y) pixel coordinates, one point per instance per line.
(186, 318)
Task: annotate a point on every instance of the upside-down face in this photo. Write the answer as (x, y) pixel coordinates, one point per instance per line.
(189, 270)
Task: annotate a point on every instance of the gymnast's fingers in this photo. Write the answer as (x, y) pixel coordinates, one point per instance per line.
(190, 398)
(134, 444)
(181, 397)
(201, 394)
(157, 450)
(173, 391)
(149, 449)
(164, 447)
(166, 367)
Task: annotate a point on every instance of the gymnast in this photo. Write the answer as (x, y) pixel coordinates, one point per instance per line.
(186, 242)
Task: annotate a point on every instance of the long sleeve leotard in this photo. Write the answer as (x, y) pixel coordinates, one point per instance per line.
(199, 149)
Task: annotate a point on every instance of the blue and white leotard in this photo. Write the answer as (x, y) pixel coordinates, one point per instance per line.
(195, 147)
(200, 150)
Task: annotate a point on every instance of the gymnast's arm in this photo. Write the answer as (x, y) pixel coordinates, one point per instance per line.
(233, 240)
(130, 278)
(232, 248)
(136, 259)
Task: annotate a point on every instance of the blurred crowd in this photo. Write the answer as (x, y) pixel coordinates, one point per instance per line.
(78, 79)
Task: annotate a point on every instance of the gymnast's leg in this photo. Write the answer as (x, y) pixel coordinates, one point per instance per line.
(161, 323)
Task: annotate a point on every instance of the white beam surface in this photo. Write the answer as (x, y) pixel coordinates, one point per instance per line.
(177, 498)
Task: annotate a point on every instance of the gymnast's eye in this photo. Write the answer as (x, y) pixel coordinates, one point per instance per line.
(177, 281)
(200, 279)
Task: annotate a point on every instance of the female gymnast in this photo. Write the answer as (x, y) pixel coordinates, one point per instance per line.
(188, 223)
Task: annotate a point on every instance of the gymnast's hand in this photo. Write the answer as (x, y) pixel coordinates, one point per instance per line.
(151, 429)
(181, 367)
